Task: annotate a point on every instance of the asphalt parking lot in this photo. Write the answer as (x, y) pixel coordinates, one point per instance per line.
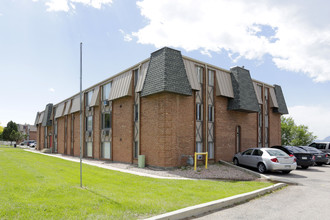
(309, 198)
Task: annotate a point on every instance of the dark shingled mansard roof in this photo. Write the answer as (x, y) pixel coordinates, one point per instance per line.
(166, 73)
(245, 98)
(47, 121)
(282, 109)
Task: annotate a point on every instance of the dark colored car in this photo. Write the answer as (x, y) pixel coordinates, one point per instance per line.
(320, 157)
(304, 158)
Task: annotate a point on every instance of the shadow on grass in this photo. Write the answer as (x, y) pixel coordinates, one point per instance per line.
(102, 196)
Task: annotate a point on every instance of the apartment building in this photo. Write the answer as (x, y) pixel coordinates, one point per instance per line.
(166, 107)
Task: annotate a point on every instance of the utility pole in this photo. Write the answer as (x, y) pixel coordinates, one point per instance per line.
(81, 118)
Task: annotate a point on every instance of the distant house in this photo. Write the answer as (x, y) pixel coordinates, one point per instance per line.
(166, 108)
(30, 131)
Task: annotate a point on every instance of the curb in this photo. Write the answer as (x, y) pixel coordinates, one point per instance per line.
(245, 170)
(216, 205)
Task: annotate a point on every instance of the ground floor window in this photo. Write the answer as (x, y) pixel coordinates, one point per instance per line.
(136, 149)
(199, 149)
(89, 149)
(106, 150)
(211, 150)
(238, 139)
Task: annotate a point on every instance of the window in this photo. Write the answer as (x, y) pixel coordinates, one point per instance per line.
(89, 98)
(211, 150)
(211, 78)
(200, 74)
(257, 153)
(238, 139)
(55, 127)
(210, 113)
(260, 126)
(266, 119)
(89, 123)
(136, 112)
(106, 120)
(136, 149)
(89, 149)
(321, 146)
(106, 91)
(198, 112)
(106, 150)
(199, 149)
(136, 77)
(247, 152)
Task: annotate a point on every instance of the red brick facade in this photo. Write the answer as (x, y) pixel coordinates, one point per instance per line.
(166, 126)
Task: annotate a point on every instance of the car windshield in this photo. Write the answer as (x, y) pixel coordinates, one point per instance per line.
(273, 152)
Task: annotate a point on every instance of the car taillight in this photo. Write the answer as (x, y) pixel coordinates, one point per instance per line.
(326, 155)
(274, 160)
(294, 159)
(291, 155)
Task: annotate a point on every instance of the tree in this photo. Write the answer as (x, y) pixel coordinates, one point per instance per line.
(1, 130)
(7, 131)
(16, 136)
(295, 135)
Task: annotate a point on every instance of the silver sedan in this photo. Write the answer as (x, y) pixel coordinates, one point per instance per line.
(266, 159)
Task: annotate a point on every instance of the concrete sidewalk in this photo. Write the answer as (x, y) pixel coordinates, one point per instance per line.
(104, 165)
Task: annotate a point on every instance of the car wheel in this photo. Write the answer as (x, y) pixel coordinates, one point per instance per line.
(236, 161)
(319, 164)
(304, 167)
(261, 168)
(286, 171)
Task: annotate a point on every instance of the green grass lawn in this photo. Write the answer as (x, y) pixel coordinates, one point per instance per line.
(35, 186)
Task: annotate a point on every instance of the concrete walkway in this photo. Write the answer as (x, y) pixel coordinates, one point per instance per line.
(106, 165)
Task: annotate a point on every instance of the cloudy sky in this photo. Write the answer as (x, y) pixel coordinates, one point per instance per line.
(280, 42)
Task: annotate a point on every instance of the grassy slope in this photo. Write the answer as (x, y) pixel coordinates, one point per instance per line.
(34, 186)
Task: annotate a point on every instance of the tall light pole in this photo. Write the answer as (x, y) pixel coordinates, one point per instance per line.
(81, 118)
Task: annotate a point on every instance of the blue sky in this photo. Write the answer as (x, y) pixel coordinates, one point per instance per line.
(280, 42)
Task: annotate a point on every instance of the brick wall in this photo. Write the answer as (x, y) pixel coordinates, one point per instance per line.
(33, 135)
(225, 130)
(41, 143)
(76, 134)
(122, 127)
(68, 140)
(167, 129)
(96, 132)
(60, 135)
(274, 128)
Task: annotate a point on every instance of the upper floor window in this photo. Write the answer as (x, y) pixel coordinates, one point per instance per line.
(106, 120)
(200, 74)
(89, 123)
(136, 76)
(89, 98)
(210, 113)
(136, 112)
(211, 78)
(106, 91)
(198, 112)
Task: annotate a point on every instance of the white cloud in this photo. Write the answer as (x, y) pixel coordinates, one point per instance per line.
(51, 90)
(127, 37)
(295, 33)
(317, 118)
(57, 5)
(67, 5)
